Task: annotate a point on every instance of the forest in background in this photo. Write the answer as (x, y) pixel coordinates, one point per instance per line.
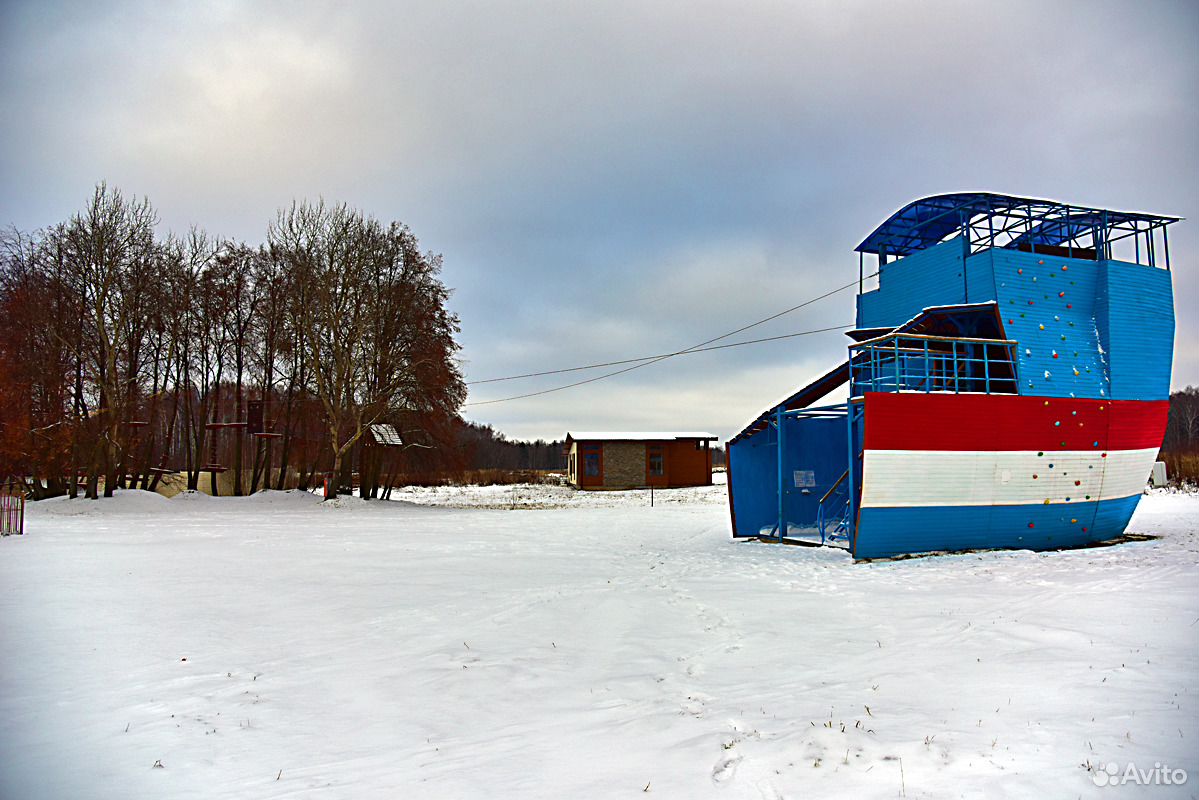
(1180, 450)
(128, 356)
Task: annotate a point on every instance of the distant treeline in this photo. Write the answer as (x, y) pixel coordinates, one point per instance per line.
(125, 355)
(1180, 450)
(487, 448)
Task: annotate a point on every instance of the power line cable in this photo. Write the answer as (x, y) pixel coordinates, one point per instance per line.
(660, 355)
(656, 359)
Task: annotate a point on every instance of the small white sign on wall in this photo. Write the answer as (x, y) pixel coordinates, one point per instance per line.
(805, 478)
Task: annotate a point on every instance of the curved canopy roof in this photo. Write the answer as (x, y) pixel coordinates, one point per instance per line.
(1000, 221)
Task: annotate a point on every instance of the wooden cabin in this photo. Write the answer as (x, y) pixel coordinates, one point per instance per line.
(635, 460)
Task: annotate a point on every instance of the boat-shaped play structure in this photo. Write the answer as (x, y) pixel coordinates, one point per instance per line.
(1008, 385)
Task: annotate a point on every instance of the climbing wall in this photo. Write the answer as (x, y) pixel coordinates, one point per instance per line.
(1050, 305)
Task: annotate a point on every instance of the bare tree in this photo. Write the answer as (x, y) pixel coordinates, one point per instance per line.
(108, 249)
(371, 319)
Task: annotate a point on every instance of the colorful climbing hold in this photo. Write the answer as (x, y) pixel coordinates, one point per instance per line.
(1031, 525)
(1061, 294)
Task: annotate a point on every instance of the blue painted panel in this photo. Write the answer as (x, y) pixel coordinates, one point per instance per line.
(1086, 328)
(932, 277)
(980, 278)
(815, 445)
(884, 532)
(1137, 313)
(1054, 314)
(754, 477)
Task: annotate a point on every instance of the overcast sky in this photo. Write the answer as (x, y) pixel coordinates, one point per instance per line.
(617, 179)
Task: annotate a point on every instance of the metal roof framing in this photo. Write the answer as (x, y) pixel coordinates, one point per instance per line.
(997, 220)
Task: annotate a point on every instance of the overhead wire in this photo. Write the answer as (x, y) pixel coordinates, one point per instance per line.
(649, 360)
(659, 355)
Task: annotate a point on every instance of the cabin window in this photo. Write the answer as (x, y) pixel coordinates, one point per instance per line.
(591, 465)
(657, 466)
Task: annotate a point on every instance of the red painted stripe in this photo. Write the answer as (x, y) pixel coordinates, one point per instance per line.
(1011, 422)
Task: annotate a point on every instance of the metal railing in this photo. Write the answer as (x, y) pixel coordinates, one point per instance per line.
(912, 362)
(832, 512)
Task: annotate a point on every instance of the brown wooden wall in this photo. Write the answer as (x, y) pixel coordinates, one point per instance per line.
(685, 465)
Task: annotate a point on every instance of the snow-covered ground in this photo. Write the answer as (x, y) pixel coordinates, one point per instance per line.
(273, 647)
(544, 496)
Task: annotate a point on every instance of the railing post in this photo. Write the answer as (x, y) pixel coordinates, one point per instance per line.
(850, 474)
(897, 383)
(782, 509)
(928, 378)
(954, 345)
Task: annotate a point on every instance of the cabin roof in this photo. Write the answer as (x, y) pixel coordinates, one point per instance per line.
(1031, 222)
(386, 434)
(637, 436)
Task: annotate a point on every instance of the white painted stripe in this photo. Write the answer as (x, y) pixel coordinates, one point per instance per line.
(907, 478)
